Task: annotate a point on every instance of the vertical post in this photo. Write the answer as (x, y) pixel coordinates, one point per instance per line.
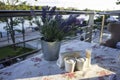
(102, 26)
(88, 36)
(119, 17)
(8, 36)
(23, 31)
(0, 34)
(12, 32)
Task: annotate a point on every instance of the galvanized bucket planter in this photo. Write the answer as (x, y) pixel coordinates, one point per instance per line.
(50, 50)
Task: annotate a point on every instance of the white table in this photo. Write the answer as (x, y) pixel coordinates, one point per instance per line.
(104, 63)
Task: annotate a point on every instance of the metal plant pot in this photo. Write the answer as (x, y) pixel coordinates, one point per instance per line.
(50, 50)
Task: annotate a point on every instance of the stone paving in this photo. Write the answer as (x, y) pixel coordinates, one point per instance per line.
(28, 36)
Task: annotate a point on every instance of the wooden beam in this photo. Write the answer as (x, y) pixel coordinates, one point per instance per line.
(102, 26)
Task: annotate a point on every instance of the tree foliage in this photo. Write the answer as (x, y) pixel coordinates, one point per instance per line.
(118, 2)
(14, 5)
(99, 19)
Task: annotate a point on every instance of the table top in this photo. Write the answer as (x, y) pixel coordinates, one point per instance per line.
(104, 63)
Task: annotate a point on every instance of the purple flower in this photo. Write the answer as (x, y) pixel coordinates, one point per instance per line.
(52, 11)
(32, 13)
(54, 26)
(44, 13)
(71, 19)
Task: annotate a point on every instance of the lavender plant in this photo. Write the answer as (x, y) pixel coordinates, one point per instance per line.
(53, 27)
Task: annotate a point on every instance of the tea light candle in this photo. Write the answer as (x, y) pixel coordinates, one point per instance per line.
(80, 63)
(69, 64)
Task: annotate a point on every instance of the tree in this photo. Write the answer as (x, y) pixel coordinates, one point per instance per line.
(118, 2)
(10, 21)
(13, 5)
(2, 5)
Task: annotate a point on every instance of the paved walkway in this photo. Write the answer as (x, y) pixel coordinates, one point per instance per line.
(31, 35)
(19, 38)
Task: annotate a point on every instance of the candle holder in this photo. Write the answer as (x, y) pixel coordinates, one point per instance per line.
(80, 64)
(70, 64)
(88, 57)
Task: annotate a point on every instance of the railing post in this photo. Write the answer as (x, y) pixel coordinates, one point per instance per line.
(0, 34)
(88, 36)
(119, 17)
(102, 26)
(23, 31)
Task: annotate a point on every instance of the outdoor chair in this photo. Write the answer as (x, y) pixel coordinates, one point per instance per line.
(114, 29)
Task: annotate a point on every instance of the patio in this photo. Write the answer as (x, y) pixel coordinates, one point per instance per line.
(105, 60)
(104, 63)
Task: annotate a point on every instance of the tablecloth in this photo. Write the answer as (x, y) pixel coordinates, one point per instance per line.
(104, 62)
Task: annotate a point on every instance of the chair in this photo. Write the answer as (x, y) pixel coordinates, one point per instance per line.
(114, 29)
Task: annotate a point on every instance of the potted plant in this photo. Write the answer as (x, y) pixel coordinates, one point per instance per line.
(53, 29)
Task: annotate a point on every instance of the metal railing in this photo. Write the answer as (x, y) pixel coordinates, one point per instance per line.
(21, 13)
(13, 13)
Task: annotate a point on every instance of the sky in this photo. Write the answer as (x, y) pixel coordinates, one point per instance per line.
(79, 4)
